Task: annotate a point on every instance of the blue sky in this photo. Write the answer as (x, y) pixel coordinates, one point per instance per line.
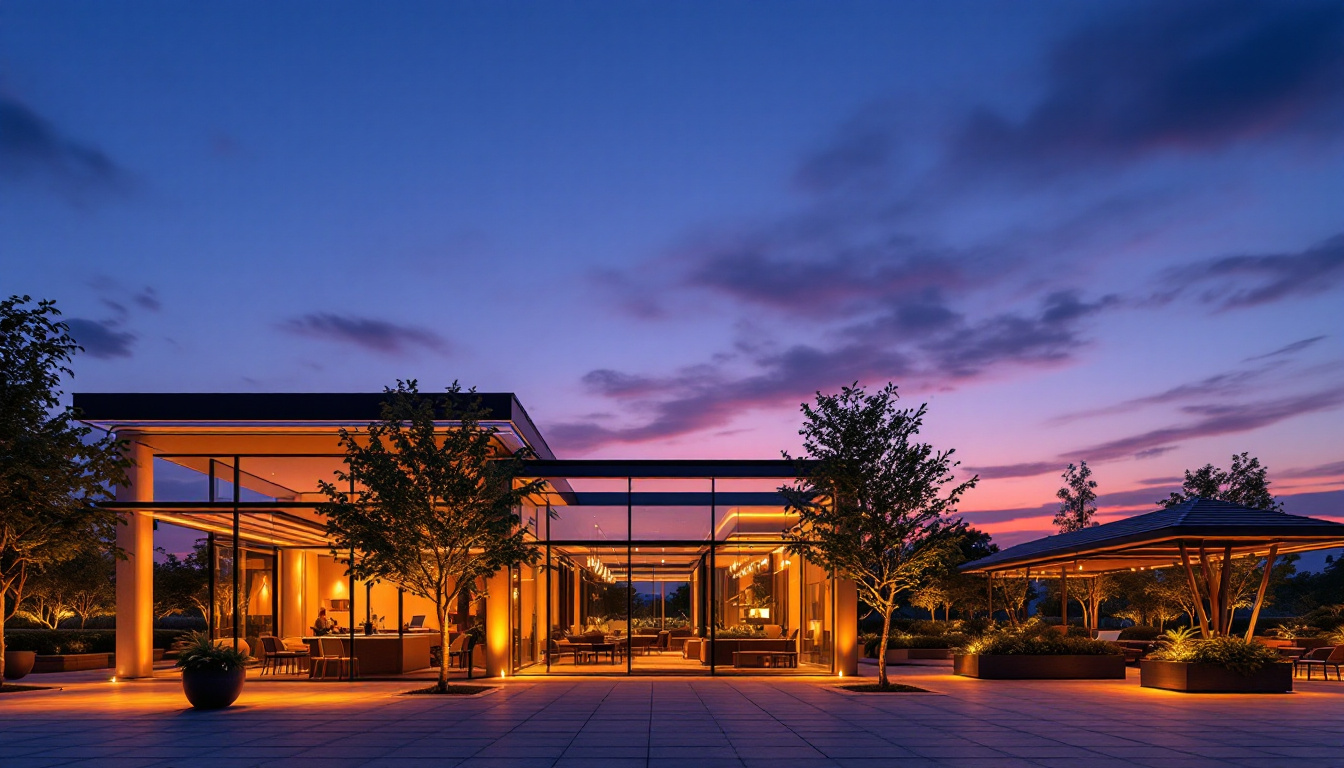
(1101, 231)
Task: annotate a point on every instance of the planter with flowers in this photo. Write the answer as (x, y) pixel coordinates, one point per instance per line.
(1036, 653)
(212, 675)
(1219, 665)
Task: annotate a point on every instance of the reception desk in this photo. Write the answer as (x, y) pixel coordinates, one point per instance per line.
(389, 654)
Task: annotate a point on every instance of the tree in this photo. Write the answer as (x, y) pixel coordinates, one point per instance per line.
(182, 585)
(53, 471)
(949, 588)
(1246, 483)
(434, 511)
(873, 504)
(81, 586)
(1077, 499)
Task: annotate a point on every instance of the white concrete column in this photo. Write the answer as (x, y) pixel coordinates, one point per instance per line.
(846, 628)
(135, 574)
(497, 616)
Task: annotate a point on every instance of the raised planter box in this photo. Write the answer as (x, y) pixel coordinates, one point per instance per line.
(1025, 667)
(1207, 678)
(72, 662)
(901, 655)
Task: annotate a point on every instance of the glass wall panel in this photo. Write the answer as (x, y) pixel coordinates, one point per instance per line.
(590, 596)
(818, 619)
(589, 522)
(526, 585)
(741, 521)
(222, 599)
(665, 609)
(670, 509)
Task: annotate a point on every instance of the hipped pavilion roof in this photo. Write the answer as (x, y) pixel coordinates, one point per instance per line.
(1153, 540)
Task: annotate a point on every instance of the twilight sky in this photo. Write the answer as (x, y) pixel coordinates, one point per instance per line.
(1111, 232)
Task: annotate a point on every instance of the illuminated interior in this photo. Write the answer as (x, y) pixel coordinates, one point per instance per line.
(668, 567)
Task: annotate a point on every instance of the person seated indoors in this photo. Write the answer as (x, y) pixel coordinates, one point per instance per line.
(324, 625)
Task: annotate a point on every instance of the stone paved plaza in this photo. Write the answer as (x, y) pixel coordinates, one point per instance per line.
(675, 722)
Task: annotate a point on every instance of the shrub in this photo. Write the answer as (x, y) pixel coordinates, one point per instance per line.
(197, 651)
(1232, 653)
(1292, 630)
(48, 642)
(1036, 638)
(1019, 644)
(1140, 632)
(905, 641)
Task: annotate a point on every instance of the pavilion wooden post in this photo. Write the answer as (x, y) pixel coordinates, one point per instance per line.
(1194, 592)
(1026, 588)
(1224, 587)
(1211, 585)
(1064, 597)
(1260, 595)
(989, 584)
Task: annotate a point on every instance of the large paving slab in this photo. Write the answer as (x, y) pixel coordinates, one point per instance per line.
(673, 723)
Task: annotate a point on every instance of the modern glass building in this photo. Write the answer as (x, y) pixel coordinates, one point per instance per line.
(647, 566)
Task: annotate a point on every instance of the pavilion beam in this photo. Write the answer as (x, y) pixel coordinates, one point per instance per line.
(1194, 592)
(1224, 592)
(1260, 594)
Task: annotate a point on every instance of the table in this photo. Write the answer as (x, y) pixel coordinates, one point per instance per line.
(389, 654)
(777, 659)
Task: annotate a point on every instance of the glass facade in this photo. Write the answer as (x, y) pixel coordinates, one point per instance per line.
(646, 575)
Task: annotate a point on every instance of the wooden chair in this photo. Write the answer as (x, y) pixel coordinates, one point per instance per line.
(332, 650)
(274, 653)
(1325, 658)
(457, 650)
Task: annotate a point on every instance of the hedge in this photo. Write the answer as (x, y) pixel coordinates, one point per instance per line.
(57, 641)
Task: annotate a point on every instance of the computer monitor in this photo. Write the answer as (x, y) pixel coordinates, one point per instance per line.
(418, 622)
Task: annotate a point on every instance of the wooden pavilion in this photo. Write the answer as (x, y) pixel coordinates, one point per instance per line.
(1201, 536)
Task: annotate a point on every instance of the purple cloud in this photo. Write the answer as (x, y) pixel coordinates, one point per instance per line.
(1238, 282)
(30, 145)
(101, 339)
(1172, 77)
(1333, 469)
(374, 335)
(1217, 420)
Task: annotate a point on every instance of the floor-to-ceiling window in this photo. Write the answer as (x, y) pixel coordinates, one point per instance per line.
(669, 575)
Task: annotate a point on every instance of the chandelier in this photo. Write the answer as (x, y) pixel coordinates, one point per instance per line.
(600, 569)
(748, 568)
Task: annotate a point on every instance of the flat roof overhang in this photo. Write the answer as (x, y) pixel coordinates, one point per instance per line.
(213, 418)
(1154, 540)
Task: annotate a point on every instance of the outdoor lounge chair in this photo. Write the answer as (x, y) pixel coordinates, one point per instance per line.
(1109, 635)
(1325, 658)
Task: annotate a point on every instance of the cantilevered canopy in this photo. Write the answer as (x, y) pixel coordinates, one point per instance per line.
(1155, 540)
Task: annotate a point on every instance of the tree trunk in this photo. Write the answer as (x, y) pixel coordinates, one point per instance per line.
(882, 647)
(443, 648)
(4, 589)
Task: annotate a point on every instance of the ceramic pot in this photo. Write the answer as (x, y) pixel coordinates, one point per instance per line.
(212, 688)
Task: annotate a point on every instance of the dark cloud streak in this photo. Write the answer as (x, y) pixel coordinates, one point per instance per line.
(373, 335)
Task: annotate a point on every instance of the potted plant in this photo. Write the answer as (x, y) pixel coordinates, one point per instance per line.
(212, 675)
(1036, 652)
(19, 663)
(1186, 663)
